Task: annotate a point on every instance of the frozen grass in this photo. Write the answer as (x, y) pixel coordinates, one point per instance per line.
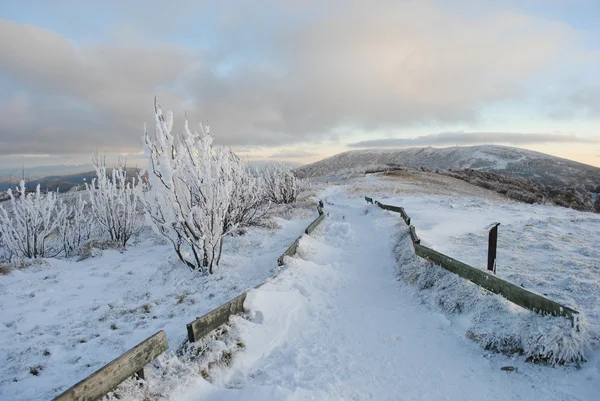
(179, 368)
(492, 321)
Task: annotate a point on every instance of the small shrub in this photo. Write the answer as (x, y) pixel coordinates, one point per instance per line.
(31, 229)
(281, 184)
(114, 199)
(36, 370)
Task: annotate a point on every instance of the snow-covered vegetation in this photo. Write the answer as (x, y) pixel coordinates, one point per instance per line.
(31, 228)
(114, 202)
(195, 195)
(584, 198)
(78, 228)
(199, 193)
(281, 184)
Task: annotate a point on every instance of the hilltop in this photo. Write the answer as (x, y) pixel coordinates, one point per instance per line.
(514, 162)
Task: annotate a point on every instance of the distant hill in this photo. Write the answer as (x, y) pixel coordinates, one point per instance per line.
(34, 173)
(63, 182)
(262, 164)
(10, 177)
(514, 162)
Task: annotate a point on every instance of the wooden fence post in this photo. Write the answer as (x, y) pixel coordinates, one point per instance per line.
(492, 247)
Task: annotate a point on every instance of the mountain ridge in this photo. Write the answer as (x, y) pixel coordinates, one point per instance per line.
(539, 167)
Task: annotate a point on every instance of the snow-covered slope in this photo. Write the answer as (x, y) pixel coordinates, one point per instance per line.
(538, 167)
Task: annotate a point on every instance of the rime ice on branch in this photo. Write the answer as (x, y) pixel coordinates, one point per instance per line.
(198, 193)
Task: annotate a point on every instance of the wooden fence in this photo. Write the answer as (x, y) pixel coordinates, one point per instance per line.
(219, 316)
(101, 382)
(490, 282)
(131, 363)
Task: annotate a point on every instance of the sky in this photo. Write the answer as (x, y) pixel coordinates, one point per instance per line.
(299, 80)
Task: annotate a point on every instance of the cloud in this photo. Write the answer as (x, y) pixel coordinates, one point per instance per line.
(583, 101)
(471, 138)
(274, 75)
(292, 155)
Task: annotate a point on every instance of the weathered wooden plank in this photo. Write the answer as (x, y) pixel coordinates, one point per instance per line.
(396, 209)
(405, 216)
(513, 293)
(369, 200)
(101, 382)
(219, 316)
(413, 235)
(291, 251)
(391, 208)
(215, 318)
(312, 226)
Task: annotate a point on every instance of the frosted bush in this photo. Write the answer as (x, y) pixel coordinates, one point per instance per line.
(31, 230)
(281, 184)
(197, 192)
(77, 227)
(114, 199)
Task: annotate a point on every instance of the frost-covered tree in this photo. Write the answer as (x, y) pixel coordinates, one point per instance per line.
(249, 201)
(114, 199)
(31, 229)
(77, 227)
(191, 189)
(281, 184)
(198, 192)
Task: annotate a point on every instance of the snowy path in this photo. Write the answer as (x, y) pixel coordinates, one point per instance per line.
(337, 325)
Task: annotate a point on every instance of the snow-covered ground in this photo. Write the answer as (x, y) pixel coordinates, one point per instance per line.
(338, 325)
(62, 320)
(547, 249)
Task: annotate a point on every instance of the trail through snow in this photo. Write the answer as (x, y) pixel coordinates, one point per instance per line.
(337, 325)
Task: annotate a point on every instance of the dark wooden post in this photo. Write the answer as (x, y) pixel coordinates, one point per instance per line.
(492, 247)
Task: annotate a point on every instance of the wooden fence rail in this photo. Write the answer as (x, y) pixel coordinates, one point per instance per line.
(215, 318)
(106, 379)
(490, 282)
(314, 224)
(101, 382)
(291, 251)
(219, 316)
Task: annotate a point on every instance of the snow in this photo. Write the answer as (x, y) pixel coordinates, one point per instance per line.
(338, 325)
(496, 161)
(546, 249)
(67, 319)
